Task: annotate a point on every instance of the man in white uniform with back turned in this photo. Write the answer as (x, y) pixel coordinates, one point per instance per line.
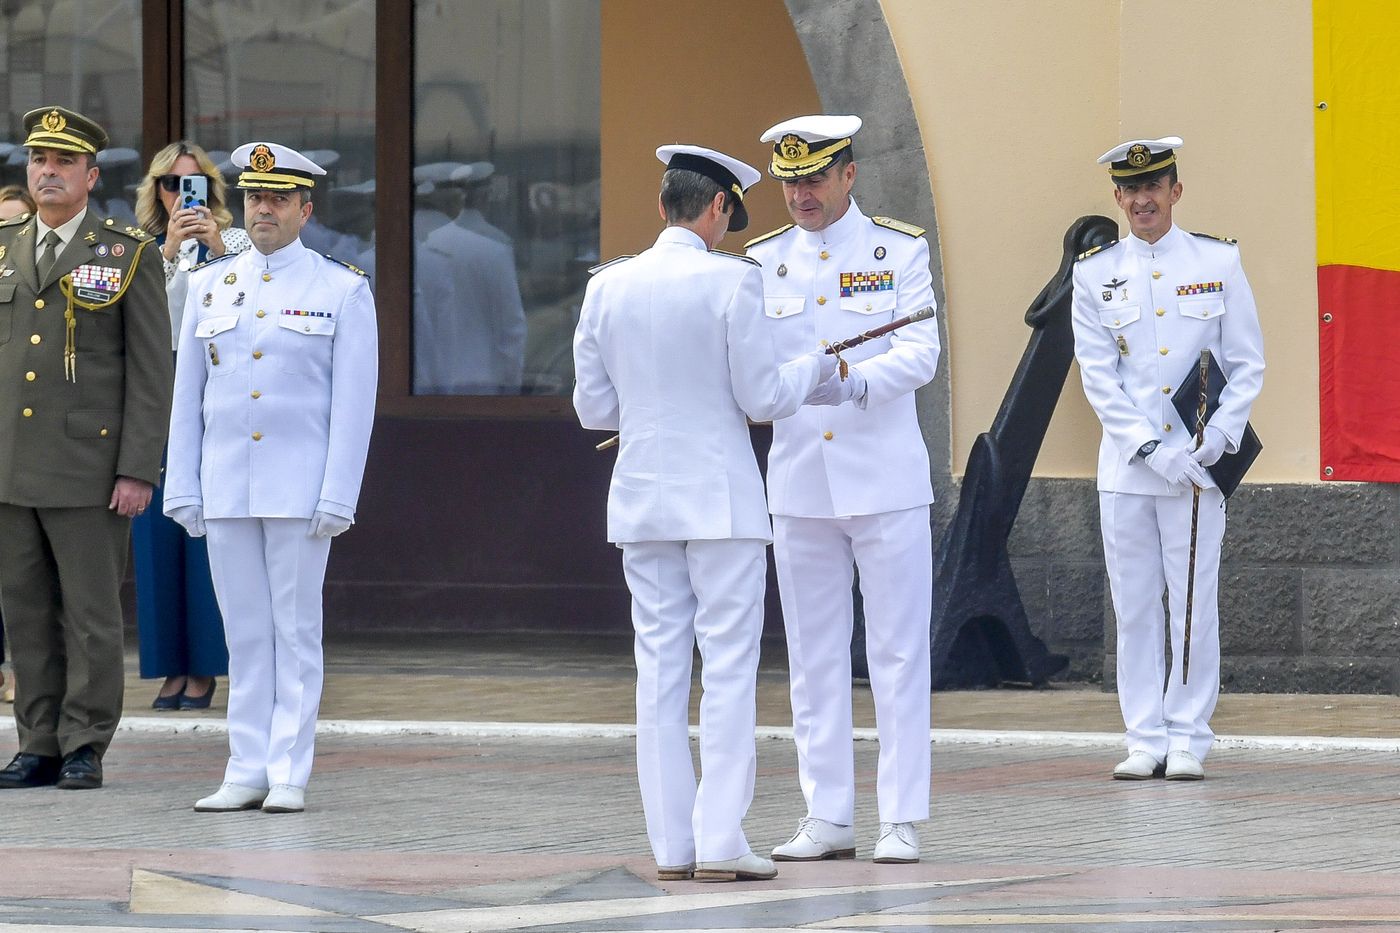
(274, 402)
(850, 484)
(1144, 309)
(672, 350)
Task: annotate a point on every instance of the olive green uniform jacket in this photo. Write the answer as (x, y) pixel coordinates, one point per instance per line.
(69, 426)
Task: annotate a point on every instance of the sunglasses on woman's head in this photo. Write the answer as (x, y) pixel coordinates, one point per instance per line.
(171, 182)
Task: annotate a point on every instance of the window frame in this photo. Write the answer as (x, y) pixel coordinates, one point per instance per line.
(162, 120)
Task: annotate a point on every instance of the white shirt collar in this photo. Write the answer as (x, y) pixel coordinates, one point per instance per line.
(840, 229)
(682, 236)
(281, 259)
(66, 231)
(1164, 245)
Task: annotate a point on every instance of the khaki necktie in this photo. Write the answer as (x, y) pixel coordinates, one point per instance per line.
(48, 257)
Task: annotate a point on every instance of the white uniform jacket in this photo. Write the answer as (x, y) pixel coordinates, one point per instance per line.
(1143, 312)
(275, 387)
(672, 350)
(854, 275)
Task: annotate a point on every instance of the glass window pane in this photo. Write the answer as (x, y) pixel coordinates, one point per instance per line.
(507, 106)
(299, 73)
(84, 55)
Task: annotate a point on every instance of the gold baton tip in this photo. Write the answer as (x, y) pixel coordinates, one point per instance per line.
(610, 442)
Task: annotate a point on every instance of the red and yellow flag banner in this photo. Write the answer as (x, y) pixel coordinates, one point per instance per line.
(1356, 77)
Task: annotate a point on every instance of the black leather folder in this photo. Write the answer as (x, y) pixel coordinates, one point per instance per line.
(1229, 469)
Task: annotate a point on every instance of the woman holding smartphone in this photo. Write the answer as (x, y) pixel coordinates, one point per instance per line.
(181, 203)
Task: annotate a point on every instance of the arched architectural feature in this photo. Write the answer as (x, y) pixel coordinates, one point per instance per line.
(852, 57)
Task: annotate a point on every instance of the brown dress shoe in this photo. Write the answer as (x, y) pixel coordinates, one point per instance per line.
(25, 770)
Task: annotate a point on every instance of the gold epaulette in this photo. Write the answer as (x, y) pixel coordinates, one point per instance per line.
(351, 266)
(15, 220)
(769, 235)
(136, 233)
(212, 260)
(1223, 239)
(611, 262)
(1095, 249)
(898, 226)
(748, 259)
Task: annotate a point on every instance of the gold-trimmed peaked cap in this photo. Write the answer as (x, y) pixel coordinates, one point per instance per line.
(61, 128)
(1140, 160)
(806, 145)
(728, 172)
(273, 167)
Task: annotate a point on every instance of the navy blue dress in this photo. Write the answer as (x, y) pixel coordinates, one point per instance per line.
(179, 628)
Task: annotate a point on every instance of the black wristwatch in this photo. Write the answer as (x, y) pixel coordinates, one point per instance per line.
(1145, 450)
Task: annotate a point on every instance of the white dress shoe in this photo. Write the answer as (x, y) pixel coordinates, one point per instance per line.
(815, 840)
(1138, 766)
(230, 798)
(747, 867)
(675, 872)
(898, 844)
(285, 798)
(1184, 766)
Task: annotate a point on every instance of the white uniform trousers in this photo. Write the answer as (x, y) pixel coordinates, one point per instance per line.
(268, 574)
(1146, 543)
(687, 592)
(894, 551)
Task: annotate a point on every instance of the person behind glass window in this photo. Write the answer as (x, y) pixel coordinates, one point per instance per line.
(180, 631)
(469, 320)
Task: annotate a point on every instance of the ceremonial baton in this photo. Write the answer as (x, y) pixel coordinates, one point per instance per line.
(1195, 516)
(923, 314)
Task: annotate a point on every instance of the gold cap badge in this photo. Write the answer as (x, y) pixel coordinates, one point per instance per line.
(262, 159)
(53, 122)
(794, 147)
(1139, 155)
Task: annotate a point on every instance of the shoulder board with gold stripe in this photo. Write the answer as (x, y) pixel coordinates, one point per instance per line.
(898, 226)
(341, 262)
(14, 221)
(748, 259)
(769, 235)
(1097, 249)
(1223, 239)
(136, 233)
(211, 261)
(611, 262)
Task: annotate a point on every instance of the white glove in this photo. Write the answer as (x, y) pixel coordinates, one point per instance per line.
(1213, 445)
(191, 518)
(826, 364)
(835, 390)
(1175, 466)
(326, 525)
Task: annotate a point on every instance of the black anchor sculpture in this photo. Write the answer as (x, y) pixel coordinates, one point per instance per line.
(980, 636)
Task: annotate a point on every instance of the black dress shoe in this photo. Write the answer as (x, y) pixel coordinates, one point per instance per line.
(26, 770)
(82, 770)
(199, 702)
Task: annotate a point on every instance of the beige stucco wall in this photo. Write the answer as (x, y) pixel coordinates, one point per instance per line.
(1016, 99)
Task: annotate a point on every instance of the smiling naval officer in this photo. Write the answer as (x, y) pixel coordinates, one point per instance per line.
(850, 484)
(274, 402)
(1145, 307)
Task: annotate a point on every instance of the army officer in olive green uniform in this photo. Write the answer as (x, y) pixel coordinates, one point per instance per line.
(85, 381)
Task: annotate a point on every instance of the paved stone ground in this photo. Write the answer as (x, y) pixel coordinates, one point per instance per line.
(456, 834)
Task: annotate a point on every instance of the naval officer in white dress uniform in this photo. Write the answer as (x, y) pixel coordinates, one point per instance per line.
(850, 485)
(672, 350)
(1144, 309)
(275, 388)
